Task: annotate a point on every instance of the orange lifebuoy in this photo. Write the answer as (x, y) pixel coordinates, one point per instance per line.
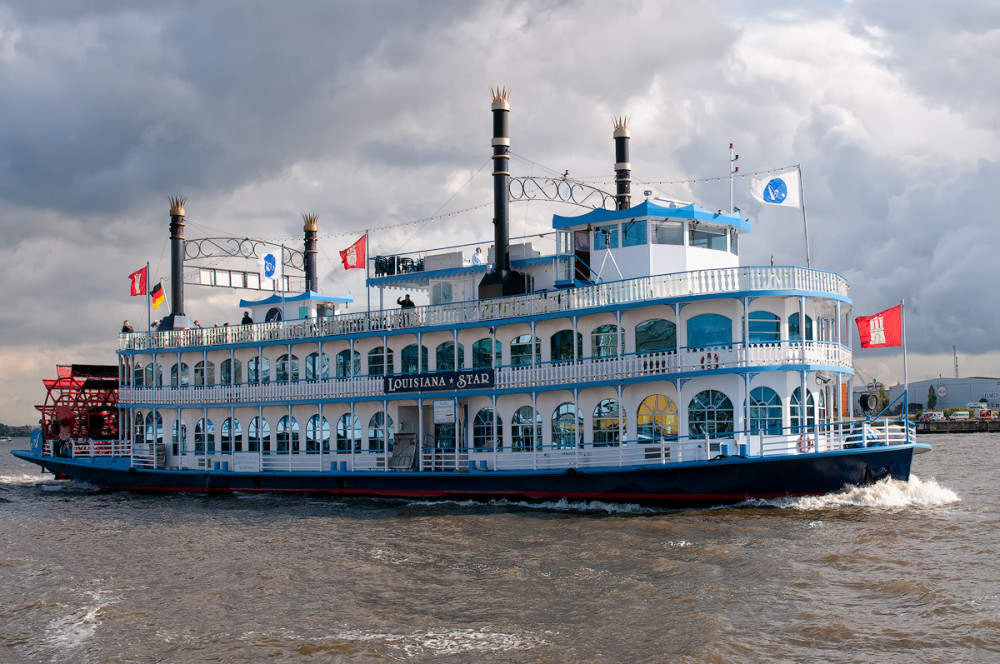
(710, 361)
(805, 444)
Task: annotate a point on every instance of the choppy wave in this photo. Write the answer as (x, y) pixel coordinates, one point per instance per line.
(445, 642)
(885, 494)
(76, 627)
(561, 505)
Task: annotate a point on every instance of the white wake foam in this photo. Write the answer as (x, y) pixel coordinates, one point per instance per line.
(886, 494)
(447, 642)
(76, 627)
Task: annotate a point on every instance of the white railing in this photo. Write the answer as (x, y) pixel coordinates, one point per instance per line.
(630, 291)
(621, 368)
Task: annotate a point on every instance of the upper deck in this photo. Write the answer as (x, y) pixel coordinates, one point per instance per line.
(643, 291)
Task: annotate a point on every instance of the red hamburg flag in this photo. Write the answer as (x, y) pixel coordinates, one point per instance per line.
(881, 330)
(138, 279)
(354, 255)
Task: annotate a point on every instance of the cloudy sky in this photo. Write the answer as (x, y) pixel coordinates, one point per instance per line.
(376, 114)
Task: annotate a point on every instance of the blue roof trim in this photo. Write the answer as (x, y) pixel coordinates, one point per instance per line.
(308, 295)
(407, 279)
(647, 209)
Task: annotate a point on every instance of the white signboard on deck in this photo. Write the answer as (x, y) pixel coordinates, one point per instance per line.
(444, 411)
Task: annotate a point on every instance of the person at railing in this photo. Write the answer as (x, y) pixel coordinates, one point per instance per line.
(405, 302)
(126, 327)
(477, 258)
(246, 319)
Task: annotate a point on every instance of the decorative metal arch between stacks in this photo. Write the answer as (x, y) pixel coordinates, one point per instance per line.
(560, 189)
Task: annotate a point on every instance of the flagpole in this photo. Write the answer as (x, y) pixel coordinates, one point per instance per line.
(281, 281)
(368, 291)
(149, 317)
(906, 382)
(805, 226)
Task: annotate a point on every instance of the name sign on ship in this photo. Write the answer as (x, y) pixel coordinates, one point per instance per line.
(473, 379)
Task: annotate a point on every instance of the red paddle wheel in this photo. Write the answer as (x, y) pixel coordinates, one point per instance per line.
(81, 404)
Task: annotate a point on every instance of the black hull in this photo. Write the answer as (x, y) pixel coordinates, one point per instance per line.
(723, 481)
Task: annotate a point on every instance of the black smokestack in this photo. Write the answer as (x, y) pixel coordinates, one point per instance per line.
(309, 260)
(623, 167)
(502, 280)
(177, 320)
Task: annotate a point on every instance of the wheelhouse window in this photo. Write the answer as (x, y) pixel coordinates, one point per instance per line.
(634, 233)
(707, 239)
(606, 237)
(380, 361)
(656, 419)
(567, 426)
(765, 412)
(442, 293)
(710, 413)
(655, 336)
(607, 421)
(708, 330)
(606, 341)
(523, 351)
(765, 327)
(668, 232)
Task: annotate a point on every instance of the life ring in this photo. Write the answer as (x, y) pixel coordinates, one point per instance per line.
(710, 361)
(805, 444)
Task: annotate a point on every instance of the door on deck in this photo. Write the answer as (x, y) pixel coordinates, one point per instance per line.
(581, 248)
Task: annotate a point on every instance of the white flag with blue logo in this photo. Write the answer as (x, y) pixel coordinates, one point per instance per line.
(777, 188)
(269, 266)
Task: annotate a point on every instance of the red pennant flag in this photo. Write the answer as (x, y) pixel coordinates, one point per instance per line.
(138, 279)
(354, 256)
(881, 330)
(157, 295)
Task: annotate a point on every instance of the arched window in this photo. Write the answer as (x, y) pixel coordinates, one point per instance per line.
(526, 429)
(287, 368)
(606, 341)
(317, 435)
(154, 428)
(567, 426)
(232, 372)
(179, 375)
(795, 332)
(656, 419)
(821, 413)
(765, 412)
(710, 413)
(377, 429)
(287, 435)
(345, 367)
(607, 417)
(655, 336)
(138, 375)
(795, 410)
(562, 346)
(483, 437)
(483, 357)
(380, 361)
(348, 433)
(317, 366)
(258, 370)
(204, 437)
(708, 330)
(138, 424)
(525, 350)
(232, 436)
(445, 356)
(154, 375)
(765, 327)
(179, 437)
(411, 362)
(204, 374)
(259, 435)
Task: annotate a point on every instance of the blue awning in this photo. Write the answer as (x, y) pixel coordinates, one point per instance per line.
(308, 295)
(648, 209)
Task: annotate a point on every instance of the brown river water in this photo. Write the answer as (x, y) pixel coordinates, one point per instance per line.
(896, 572)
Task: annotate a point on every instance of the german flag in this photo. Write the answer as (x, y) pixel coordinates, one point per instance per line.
(157, 294)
